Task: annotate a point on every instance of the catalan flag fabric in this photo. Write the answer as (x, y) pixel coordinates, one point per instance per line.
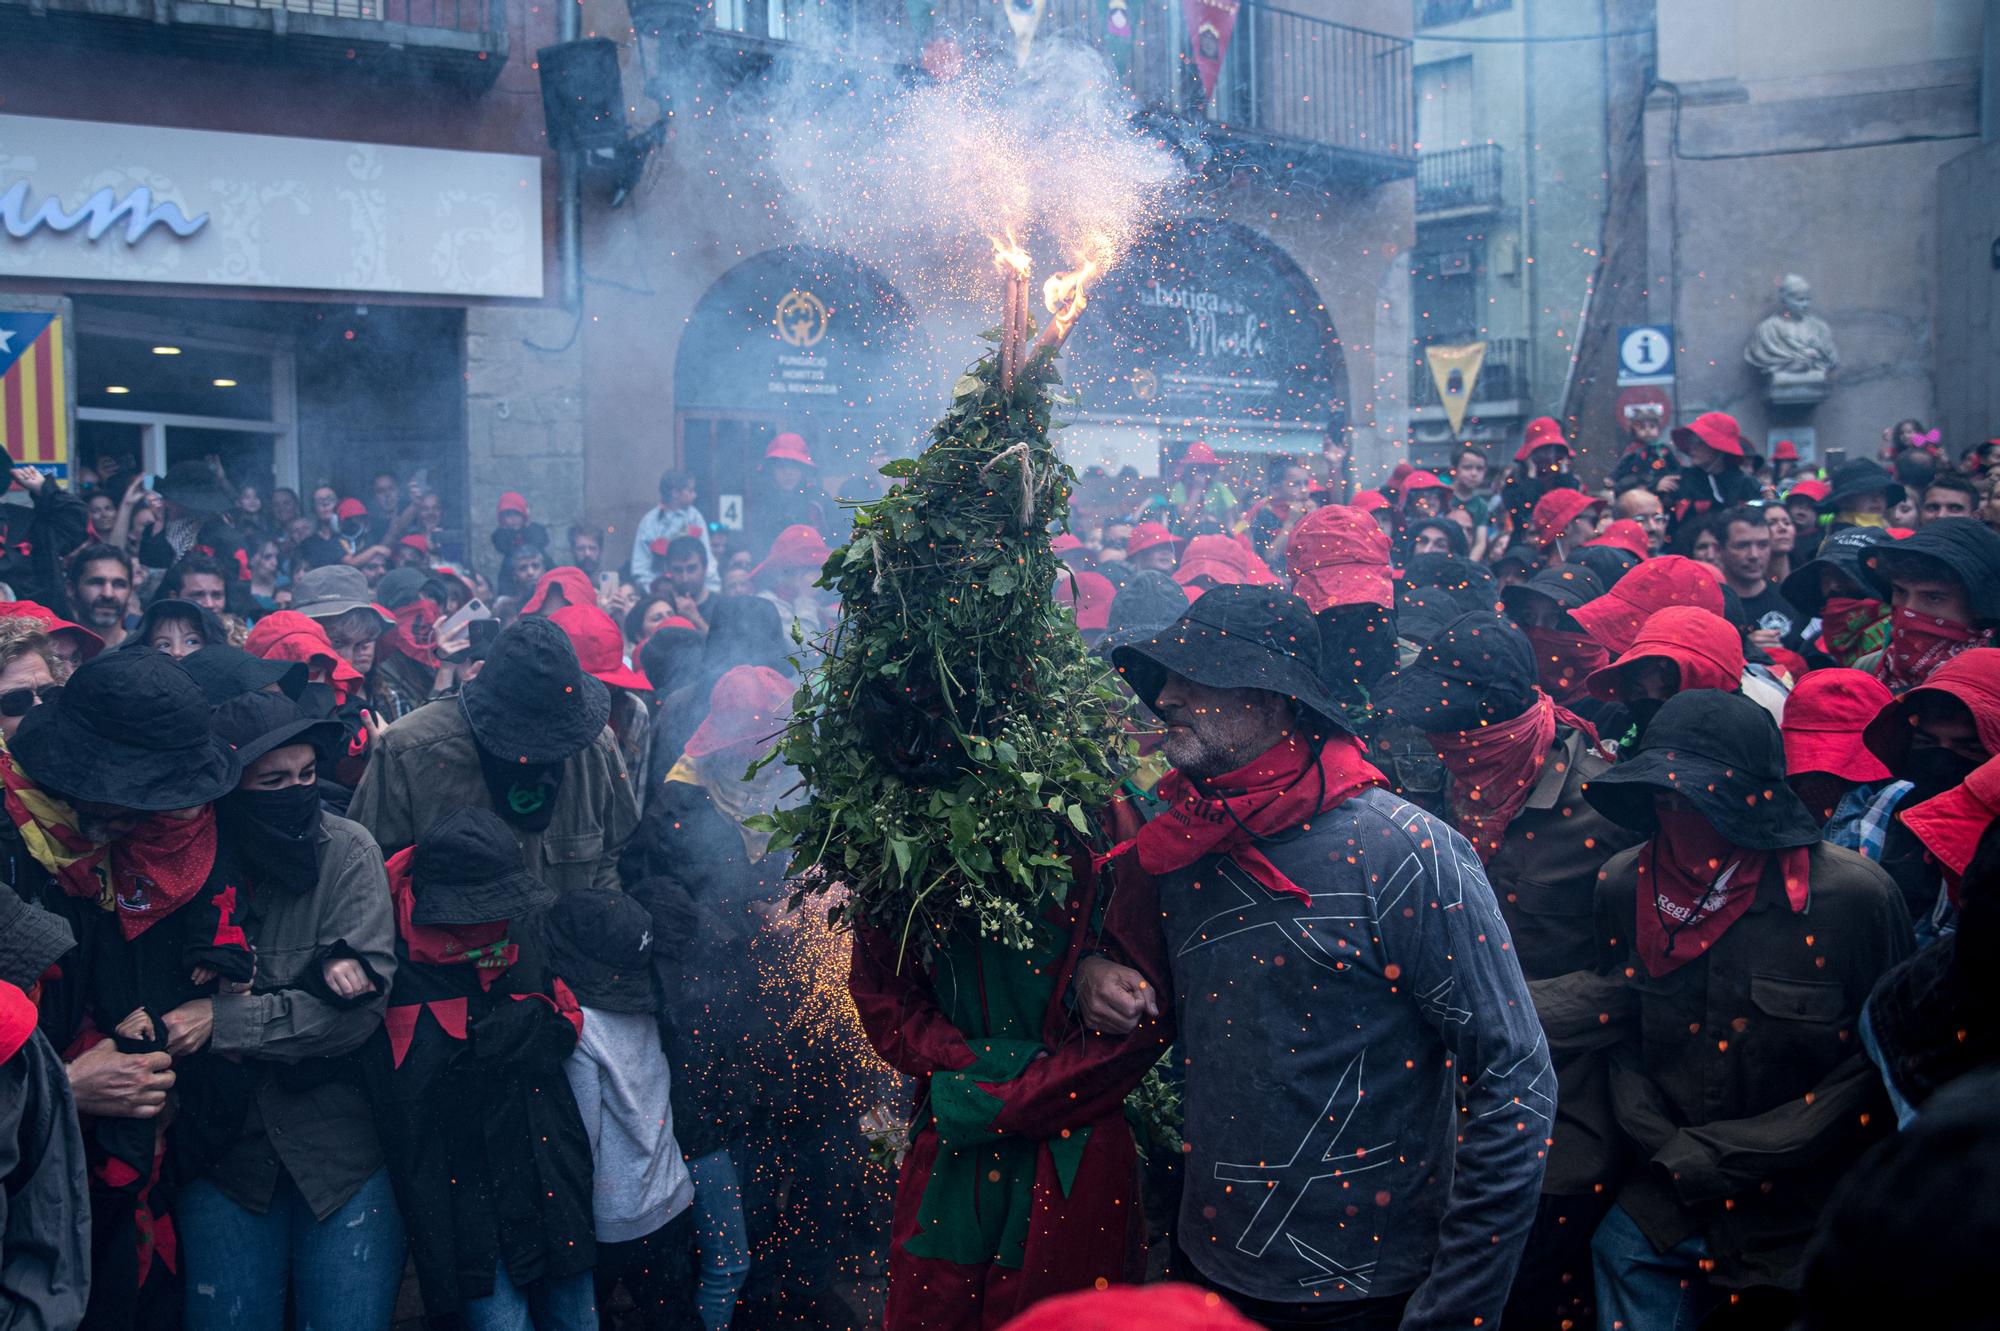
(34, 391)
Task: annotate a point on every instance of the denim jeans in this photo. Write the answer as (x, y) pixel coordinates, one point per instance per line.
(565, 1304)
(342, 1272)
(722, 1246)
(1639, 1289)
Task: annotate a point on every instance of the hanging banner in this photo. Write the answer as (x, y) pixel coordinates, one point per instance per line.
(1456, 370)
(1114, 26)
(1210, 23)
(34, 391)
(1024, 16)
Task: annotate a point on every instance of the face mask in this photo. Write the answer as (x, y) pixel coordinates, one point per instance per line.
(524, 794)
(276, 834)
(1562, 660)
(1933, 772)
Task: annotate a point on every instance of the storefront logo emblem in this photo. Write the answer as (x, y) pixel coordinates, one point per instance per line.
(801, 318)
(100, 212)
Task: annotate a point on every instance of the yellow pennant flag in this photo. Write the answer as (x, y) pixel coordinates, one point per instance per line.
(1456, 370)
(1024, 16)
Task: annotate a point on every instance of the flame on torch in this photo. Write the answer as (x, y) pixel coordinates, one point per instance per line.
(1066, 294)
(1014, 265)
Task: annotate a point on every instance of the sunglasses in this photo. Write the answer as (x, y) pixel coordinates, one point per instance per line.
(16, 702)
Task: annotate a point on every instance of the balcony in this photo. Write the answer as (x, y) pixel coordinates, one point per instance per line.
(1297, 90)
(1460, 181)
(1436, 13)
(1502, 388)
(460, 42)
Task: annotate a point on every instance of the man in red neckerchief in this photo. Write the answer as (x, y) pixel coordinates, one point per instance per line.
(1518, 760)
(1342, 980)
(1737, 951)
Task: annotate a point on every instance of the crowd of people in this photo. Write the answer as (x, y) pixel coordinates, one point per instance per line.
(1558, 906)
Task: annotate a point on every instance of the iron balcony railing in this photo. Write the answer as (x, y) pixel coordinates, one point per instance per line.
(1457, 179)
(1432, 13)
(1503, 375)
(451, 15)
(1285, 75)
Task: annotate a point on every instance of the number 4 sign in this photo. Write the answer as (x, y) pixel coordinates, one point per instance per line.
(729, 511)
(1646, 354)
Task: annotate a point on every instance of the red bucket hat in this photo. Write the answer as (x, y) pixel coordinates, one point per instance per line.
(1626, 535)
(1065, 543)
(1972, 677)
(797, 546)
(287, 635)
(1089, 595)
(1147, 535)
(1555, 510)
(1810, 489)
(1199, 454)
(788, 447)
(749, 705)
(1543, 432)
(1784, 451)
(575, 584)
(1167, 1307)
(514, 502)
(1223, 559)
(1370, 501)
(1706, 647)
(1717, 429)
(353, 508)
(41, 614)
(1340, 556)
(1614, 619)
(600, 647)
(1824, 720)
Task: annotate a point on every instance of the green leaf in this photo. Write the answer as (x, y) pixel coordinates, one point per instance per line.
(1002, 581)
(967, 385)
(903, 468)
(1077, 820)
(901, 850)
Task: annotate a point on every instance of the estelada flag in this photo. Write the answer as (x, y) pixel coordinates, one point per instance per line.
(34, 391)
(1210, 23)
(1456, 370)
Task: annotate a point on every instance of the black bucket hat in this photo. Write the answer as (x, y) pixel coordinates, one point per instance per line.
(213, 631)
(253, 724)
(1964, 548)
(1146, 605)
(1723, 754)
(130, 729)
(601, 944)
(467, 869)
(223, 672)
(1237, 637)
(31, 941)
(1479, 671)
(1607, 562)
(532, 702)
(1860, 477)
(1846, 552)
(400, 586)
(1567, 585)
(193, 486)
(1473, 584)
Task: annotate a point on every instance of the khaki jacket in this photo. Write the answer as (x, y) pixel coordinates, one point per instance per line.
(425, 766)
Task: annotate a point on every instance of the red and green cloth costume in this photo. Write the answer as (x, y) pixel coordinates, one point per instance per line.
(1021, 1180)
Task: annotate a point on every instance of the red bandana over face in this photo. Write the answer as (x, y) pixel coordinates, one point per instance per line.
(159, 866)
(1563, 659)
(1279, 791)
(1919, 644)
(415, 623)
(1851, 627)
(1494, 770)
(1693, 884)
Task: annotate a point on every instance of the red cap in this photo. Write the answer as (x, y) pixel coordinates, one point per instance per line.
(287, 635)
(514, 502)
(354, 508)
(749, 705)
(1950, 825)
(600, 647)
(90, 642)
(1200, 454)
(1811, 489)
(1624, 534)
(1555, 510)
(1706, 647)
(1972, 677)
(575, 584)
(1167, 1307)
(1614, 619)
(1340, 556)
(1065, 543)
(1717, 429)
(1222, 559)
(18, 1018)
(416, 540)
(1824, 720)
(1543, 432)
(1370, 501)
(1147, 535)
(797, 546)
(1090, 597)
(1784, 451)
(1415, 481)
(788, 447)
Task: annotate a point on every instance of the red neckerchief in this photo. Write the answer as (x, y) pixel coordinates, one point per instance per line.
(1919, 644)
(1563, 659)
(158, 867)
(1693, 884)
(414, 623)
(485, 946)
(1283, 789)
(1494, 770)
(1853, 626)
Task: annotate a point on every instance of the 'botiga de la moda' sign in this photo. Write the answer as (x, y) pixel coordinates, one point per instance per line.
(138, 203)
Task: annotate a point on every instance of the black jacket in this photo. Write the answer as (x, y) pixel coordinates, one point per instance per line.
(485, 1146)
(34, 545)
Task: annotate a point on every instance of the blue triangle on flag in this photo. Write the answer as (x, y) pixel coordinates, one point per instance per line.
(18, 331)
